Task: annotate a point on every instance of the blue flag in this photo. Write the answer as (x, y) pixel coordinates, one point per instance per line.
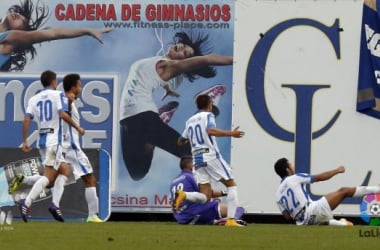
(368, 96)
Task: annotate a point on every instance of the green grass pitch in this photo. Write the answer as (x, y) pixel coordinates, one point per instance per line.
(168, 235)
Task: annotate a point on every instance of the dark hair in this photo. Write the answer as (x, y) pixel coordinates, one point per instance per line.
(196, 43)
(47, 77)
(26, 8)
(70, 81)
(203, 101)
(280, 167)
(185, 160)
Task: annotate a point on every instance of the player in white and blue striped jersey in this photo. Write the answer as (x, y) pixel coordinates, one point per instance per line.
(295, 203)
(200, 132)
(49, 109)
(74, 154)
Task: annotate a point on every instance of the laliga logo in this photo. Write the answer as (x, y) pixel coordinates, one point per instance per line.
(370, 209)
(6, 219)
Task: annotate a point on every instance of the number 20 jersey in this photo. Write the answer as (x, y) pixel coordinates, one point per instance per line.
(203, 146)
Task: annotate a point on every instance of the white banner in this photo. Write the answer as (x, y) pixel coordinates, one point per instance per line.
(294, 94)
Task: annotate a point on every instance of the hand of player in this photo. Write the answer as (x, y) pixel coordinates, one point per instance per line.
(25, 148)
(341, 169)
(81, 131)
(237, 133)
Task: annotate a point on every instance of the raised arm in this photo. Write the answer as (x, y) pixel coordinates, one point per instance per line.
(327, 175)
(18, 38)
(172, 68)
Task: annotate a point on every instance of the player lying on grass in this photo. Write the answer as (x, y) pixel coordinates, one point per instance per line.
(295, 203)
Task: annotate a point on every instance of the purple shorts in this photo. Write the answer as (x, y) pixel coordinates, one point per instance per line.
(200, 214)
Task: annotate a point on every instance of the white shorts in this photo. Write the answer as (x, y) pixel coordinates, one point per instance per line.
(214, 169)
(52, 156)
(79, 162)
(317, 213)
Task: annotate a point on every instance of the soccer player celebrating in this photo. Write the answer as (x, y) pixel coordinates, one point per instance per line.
(294, 201)
(74, 155)
(49, 108)
(200, 133)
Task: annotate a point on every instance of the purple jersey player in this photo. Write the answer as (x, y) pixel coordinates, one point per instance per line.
(195, 209)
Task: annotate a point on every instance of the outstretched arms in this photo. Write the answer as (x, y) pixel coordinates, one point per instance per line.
(19, 38)
(219, 132)
(327, 175)
(170, 68)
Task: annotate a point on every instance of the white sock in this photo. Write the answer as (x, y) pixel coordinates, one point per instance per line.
(196, 197)
(37, 188)
(232, 201)
(59, 187)
(92, 201)
(334, 222)
(30, 180)
(364, 190)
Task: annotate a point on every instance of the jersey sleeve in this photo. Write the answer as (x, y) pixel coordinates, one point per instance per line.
(62, 102)
(29, 109)
(210, 121)
(184, 135)
(305, 178)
